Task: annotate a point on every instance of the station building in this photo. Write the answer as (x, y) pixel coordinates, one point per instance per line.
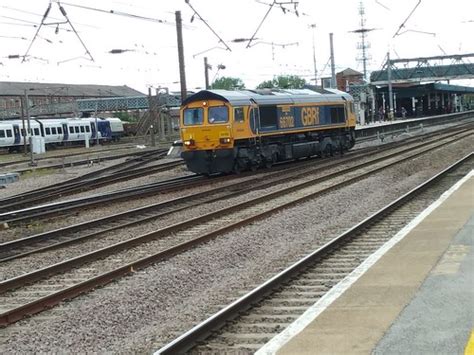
(425, 99)
(48, 96)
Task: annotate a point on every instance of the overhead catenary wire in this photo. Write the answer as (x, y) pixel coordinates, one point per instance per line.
(121, 13)
(45, 16)
(208, 26)
(36, 14)
(270, 7)
(408, 17)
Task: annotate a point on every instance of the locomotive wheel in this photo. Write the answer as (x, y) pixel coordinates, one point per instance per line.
(238, 168)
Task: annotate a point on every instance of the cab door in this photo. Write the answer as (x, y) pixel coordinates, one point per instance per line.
(240, 126)
(65, 132)
(16, 134)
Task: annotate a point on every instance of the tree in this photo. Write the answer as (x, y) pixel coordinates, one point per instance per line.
(267, 84)
(283, 82)
(228, 83)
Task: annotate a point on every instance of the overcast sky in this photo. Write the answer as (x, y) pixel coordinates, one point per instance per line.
(60, 57)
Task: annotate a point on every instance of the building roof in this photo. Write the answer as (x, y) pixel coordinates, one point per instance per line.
(11, 88)
(349, 72)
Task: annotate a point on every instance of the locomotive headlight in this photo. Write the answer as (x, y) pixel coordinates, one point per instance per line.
(224, 140)
(189, 143)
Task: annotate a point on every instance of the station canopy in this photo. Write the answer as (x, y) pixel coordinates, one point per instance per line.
(407, 90)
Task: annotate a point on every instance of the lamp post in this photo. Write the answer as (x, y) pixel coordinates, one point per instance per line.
(313, 26)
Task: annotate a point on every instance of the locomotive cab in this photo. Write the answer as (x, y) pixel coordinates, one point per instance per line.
(206, 133)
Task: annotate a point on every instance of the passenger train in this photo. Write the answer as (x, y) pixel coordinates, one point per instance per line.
(60, 131)
(230, 131)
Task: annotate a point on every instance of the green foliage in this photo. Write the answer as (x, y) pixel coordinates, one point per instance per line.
(267, 84)
(283, 82)
(228, 83)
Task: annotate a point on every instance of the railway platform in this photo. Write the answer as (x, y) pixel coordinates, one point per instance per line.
(413, 296)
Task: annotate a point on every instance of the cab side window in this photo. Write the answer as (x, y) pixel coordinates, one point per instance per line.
(239, 114)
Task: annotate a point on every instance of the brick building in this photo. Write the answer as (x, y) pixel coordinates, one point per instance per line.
(348, 76)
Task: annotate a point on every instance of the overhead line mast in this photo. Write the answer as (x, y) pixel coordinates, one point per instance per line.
(363, 45)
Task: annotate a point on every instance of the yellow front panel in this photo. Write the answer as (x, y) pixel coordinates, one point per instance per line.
(207, 135)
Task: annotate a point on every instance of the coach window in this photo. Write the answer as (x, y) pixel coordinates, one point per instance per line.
(2, 133)
(9, 133)
(37, 131)
(48, 130)
(193, 116)
(239, 114)
(71, 129)
(218, 114)
(60, 130)
(76, 129)
(82, 129)
(53, 130)
(88, 129)
(22, 132)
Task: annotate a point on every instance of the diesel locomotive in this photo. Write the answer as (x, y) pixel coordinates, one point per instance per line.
(231, 131)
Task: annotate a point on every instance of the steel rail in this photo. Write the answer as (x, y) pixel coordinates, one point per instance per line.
(130, 163)
(189, 339)
(79, 162)
(88, 201)
(56, 297)
(13, 249)
(44, 210)
(84, 185)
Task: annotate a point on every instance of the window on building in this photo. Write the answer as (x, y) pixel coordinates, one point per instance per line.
(48, 130)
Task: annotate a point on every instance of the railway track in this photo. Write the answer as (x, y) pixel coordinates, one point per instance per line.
(126, 170)
(62, 164)
(95, 228)
(34, 291)
(24, 215)
(249, 322)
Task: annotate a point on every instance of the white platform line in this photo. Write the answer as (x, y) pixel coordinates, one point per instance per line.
(324, 302)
